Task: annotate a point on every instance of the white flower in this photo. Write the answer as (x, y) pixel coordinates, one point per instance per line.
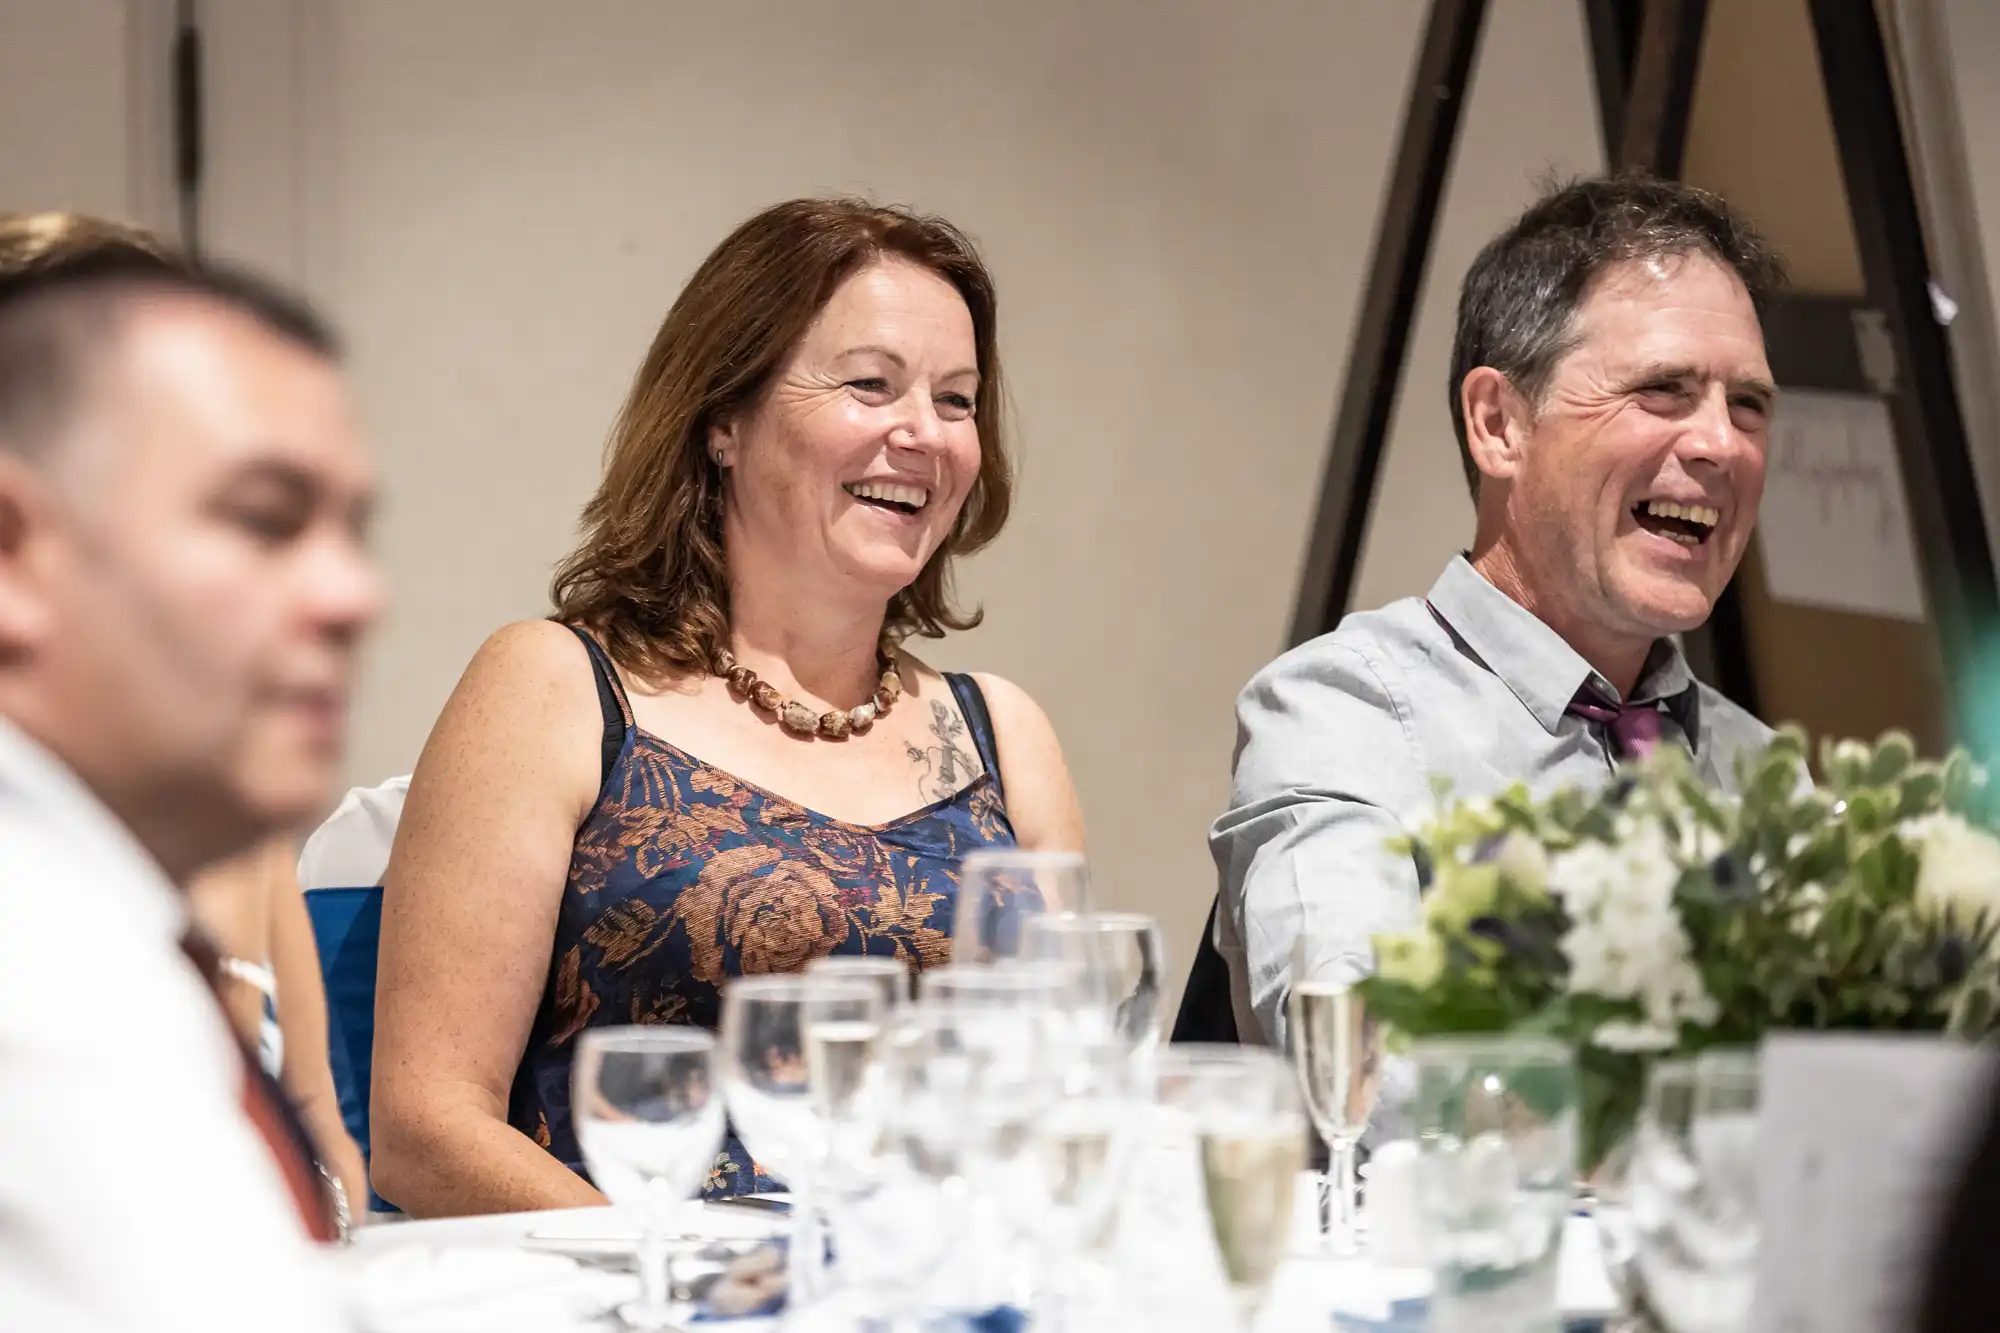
(1626, 940)
(1812, 906)
(1958, 879)
(1699, 844)
(1523, 860)
(1620, 1035)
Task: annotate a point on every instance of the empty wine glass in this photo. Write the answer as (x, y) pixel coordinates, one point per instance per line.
(1119, 965)
(799, 1059)
(1000, 888)
(1694, 1196)
(1240, 1105)
(1337, 1050)
(649, 1117)
(1496, 1126)
(890, 975)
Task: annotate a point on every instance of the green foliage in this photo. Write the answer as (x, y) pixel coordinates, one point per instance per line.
(1870, 901)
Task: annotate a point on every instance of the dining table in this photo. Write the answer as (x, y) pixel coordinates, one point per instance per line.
(567, 1271)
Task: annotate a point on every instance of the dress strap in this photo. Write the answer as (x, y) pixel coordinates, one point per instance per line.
(979, 722)
(611, 701)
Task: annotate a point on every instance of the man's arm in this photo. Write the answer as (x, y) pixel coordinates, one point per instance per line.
(1326, 762)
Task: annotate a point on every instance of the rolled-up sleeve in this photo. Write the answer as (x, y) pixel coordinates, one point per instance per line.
(1327, 764)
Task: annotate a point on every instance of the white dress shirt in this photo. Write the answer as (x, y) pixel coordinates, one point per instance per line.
(134, 1192)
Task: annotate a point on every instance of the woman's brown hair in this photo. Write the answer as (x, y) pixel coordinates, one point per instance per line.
(649, 577)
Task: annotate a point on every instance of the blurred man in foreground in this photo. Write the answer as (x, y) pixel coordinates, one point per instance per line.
(183, 586)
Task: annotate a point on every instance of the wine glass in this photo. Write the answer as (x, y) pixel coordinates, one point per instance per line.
(890, 975)
(1337, 1049)
(1625, 1191)
(1497, 1133)
(1037, 985)
(1240, 1104)
(969, 1082)
(1000, 888)
(1083, 1144)
(649, 1117)
(1119, 964)
(1694, 1197)
(799, 1059)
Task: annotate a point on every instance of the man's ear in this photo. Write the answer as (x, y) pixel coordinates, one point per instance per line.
(28, 521)
(1497, 422)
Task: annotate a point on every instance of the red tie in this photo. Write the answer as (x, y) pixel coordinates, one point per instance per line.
(267, 1107)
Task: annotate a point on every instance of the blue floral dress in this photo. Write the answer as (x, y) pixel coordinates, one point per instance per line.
(684, 875)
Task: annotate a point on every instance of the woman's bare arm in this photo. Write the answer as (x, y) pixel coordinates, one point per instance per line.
(307, 1075)
(468, 924)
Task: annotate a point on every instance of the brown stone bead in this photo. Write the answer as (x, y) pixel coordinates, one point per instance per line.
(742, 679)
(797, 717)
(833, 725)
(862, 716)
(891, 689)
(766, 698)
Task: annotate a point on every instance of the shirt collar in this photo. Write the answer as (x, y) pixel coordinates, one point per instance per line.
(1534, 662)
(37, 783)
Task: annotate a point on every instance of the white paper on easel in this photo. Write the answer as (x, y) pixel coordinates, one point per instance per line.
(1860, 1141)
(1835, 525)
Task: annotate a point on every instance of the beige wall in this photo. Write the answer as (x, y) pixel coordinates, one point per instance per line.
(498, 200)
(1532, 114)
(83, 121)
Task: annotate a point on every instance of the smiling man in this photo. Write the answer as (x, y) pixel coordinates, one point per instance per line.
(1612, 402)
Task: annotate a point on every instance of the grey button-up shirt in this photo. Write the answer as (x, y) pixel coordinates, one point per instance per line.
(1337, 745)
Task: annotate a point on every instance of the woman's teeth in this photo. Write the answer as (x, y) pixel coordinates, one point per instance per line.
(907, 498)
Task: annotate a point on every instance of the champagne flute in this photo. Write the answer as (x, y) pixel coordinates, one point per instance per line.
(798, 1059)
(649, 1118)
(1337, 1049)
(1083, 1145)
(1000, 888)
(1119, 961)
(1241, 1106)
(890, 975)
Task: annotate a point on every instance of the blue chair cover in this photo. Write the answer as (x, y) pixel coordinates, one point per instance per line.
(347, 927)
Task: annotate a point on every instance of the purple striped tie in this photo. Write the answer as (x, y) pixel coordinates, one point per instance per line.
(1635, 728)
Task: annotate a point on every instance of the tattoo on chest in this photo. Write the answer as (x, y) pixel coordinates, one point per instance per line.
(946, 767)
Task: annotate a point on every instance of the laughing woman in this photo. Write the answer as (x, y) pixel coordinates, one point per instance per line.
(715, 759)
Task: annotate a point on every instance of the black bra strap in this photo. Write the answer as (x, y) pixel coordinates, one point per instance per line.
(611, 702)
(972, 703)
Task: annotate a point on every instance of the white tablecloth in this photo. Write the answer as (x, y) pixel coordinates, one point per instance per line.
(511, 1275)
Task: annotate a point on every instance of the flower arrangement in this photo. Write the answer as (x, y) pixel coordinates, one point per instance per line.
(1656, 915)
